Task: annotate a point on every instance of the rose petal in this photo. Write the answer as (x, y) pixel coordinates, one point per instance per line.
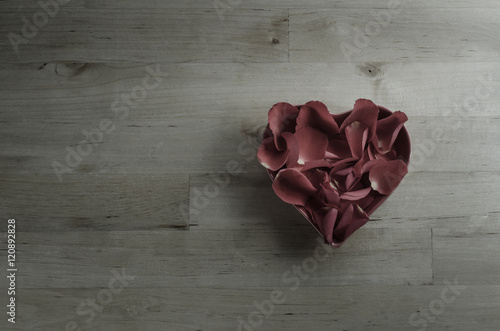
(352, 219)
(315, 164)
(338, 148)
(356, 195)
(273, 159)
(328, 224)
(312, 144)
(293, 187)
(269, 156)
(315, 114)
(328, 194)
(344, 179)
(370, 164)
(282, 118)
(317, 177)
(366, 112)
(386, 176)
(388, 130)
(357, 136)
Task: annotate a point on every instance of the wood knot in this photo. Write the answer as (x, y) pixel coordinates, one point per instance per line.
(370, 70)
(70, 69)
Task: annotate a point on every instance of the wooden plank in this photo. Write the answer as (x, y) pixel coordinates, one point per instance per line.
(375, 307)
(149, 35)
(471, 252)
(239, 89)
(426, 34)
(261, 4)
(423, 198)
(95, 201)
(183, 125)
(221, 258)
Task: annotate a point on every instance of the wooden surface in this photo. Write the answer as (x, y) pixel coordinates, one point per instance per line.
(169, 194)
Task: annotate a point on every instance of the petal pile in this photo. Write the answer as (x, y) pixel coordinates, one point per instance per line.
(333, 166)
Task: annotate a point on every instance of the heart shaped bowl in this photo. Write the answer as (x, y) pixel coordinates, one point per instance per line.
(401, 145)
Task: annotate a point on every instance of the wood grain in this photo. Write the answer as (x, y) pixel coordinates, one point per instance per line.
(149, 35)
(96, 201)
(164, 103)
(223, 308)
(401, 35)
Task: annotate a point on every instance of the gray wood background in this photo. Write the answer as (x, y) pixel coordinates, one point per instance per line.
(166, 221)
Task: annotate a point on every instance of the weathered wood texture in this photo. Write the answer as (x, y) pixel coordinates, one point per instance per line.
(120, 122)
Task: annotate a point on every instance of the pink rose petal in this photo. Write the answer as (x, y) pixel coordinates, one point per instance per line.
(338, 148)
(386, 176)
(312, 144)
(356, 195)
(388, 130)
(357, 136)
(281, 116)
(317, 177)
(273, 159)
(329, 195)
(328, 224)
(315, 114)
(269, 156)
(352, 219)
(293, 187)
(366, 112)
(315, 164)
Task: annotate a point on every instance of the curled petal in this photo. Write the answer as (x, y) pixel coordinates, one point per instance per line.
(328, 224)
(356, 195)
(282, 118)
(366, 112)
(352, 219)
(315, 114)
(272, 158)
(386, 176)
(388, 130)
(293, 187)
(269, 156)
(312, 144)
(357, 136)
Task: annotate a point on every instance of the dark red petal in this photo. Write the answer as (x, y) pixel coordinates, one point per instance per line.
(386, 176)
(352, 219)
(388, 130)
(366, 112)
(328, 224)
(357, 136)
(292, 145)
(366, 201)
(316, 115)
(312, 144)
(316, 164)
(358, 167)
(370, 164)
(269, 156)
(338, 148)
(356, 195)
(281, 116)
(293, 187)
(317, 177)
(328, 194)
(273, 159)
